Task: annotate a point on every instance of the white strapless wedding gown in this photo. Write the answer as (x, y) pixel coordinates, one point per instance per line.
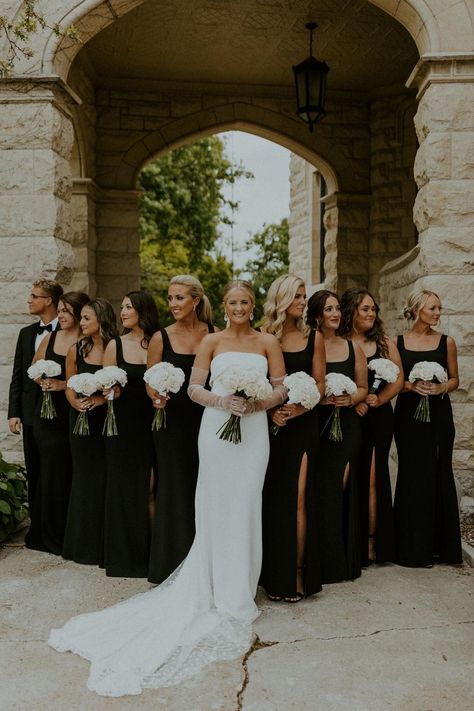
(204, 611)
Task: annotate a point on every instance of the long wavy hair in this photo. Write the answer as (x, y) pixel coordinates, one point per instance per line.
(350, 301)
(148, 319)
(196, 290)
(107, 325)
(417, 301)
(280, 296)
(76, 300)
(315, 309)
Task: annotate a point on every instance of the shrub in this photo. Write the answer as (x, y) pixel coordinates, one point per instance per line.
(13, 497)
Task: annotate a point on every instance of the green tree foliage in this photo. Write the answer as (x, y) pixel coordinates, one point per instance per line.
(18, 33)
(13, 499)
(180, 214)
(271, 250)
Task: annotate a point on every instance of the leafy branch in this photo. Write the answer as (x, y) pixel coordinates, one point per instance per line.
(18, 34)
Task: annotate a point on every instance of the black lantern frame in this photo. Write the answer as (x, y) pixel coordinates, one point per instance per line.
(310, 84)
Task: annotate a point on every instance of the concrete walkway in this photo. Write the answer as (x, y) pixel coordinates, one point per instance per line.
(397, 638)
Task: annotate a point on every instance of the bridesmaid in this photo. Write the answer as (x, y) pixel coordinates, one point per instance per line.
(49, 509)
(130, 453)
(337, 470)
(176, 445)
(362, 324)
(84, 525)
(291, 564)
(426, 507)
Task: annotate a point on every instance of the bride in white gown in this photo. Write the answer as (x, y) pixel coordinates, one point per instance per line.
(204, 611)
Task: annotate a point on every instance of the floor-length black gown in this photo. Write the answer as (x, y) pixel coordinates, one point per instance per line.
(51, 498)
(129, 458)
(426, 506)
(85, 517)
(338, 507)
(176, 451)
(377, 435)
(280, 496)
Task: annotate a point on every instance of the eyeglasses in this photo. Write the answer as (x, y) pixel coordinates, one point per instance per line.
(38, 296)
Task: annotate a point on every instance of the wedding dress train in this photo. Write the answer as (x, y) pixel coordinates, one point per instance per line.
(204, 611)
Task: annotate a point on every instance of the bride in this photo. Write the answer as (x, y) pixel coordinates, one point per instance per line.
(204, 611)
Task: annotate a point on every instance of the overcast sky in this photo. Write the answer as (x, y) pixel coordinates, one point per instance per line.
(265, 198)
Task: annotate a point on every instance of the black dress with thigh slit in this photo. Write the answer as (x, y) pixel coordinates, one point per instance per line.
(51, 496)
(377, 435)
(85, 517)
(426, 506)
(298, 437)
(338, 506)
(176, 451)
(129, 457)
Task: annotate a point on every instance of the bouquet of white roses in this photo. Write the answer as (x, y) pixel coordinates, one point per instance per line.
(164, 378)
(426, 370)
(45, 369)
(83, 384)
(385, 370)
(302, 390)
(248, 383)
(108, 377)
(338, 384)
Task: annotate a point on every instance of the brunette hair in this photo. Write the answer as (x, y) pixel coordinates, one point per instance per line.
(350, 301)
(148, 319)
(280, 296)
(315, 309)
(416, 301)
(239, 284)
(76, 300)
(52, 288)
(196, 290)
(107, 325)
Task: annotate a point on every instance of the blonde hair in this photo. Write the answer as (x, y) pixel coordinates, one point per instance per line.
(417, 301)
(280, 296)
(196, 290)
(239, 284)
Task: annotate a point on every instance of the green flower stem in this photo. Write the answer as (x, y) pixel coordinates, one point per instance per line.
(81, 427)
(48, 411)
(335, 432)
(110, 424)
(422, 412)
(159, 419)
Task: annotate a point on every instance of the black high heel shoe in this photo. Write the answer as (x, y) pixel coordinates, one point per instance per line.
(298, 595)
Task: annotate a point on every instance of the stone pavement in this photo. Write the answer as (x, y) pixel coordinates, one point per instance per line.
(397, 638)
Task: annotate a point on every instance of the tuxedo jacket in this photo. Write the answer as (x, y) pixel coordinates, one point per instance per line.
(24, 392)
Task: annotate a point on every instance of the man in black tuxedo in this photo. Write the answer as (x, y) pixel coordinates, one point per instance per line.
(24, 392)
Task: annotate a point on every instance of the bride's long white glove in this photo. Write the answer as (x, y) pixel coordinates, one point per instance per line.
(198, 393)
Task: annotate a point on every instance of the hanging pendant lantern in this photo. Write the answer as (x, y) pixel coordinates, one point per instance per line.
(310, 83)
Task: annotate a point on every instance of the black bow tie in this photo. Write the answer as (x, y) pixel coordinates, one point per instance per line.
(42, 329)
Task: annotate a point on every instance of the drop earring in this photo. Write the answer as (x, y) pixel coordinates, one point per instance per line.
(226, 318)
(251, 316)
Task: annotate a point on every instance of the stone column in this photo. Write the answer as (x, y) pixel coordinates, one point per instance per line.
(36, 139)
(117, 258)
(347, 240)
(444, 217)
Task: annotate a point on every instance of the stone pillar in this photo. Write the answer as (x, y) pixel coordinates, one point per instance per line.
(444, 217)
(36, 138)
(117, 258)
(84, 235)
(351, 227)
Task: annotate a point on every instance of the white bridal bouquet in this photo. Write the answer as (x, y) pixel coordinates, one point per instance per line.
(45, 369)
(302, 390)
(164, 378)
(83, 384)
(108, 377)
(385, 370)
(338, 384)
(249, 383)
(426, 370)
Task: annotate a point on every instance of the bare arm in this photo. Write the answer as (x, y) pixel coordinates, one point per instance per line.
(71, 369)
(154, 356)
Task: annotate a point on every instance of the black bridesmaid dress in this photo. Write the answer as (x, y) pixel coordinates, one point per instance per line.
(85, 517)
(50, 503)
(426, 506)
(129, 457)
(177, 460)
(280, 496)
(338, 507)
(377, 435)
